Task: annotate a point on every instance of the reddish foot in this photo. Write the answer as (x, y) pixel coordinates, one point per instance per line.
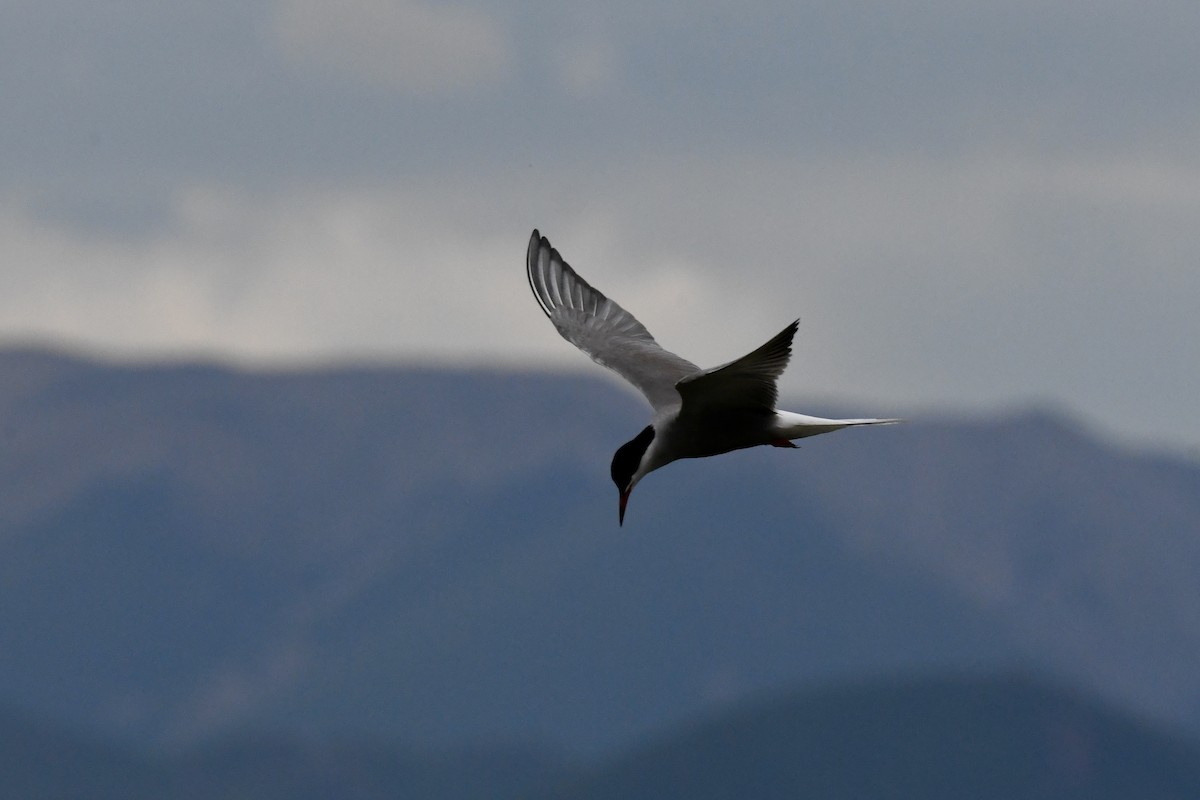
(785, 443)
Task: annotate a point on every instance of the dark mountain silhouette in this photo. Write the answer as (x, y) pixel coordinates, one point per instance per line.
(44, 760)
(922, 739)
(931, 738)
(190, 552)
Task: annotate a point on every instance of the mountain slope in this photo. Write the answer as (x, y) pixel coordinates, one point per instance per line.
(40, 761)
(922, 738)
(431, 556)
(932, 738)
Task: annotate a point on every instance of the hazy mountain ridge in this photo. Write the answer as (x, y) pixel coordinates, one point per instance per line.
(929, 738)
(1122, 524)
(41, 761)
(382, 551)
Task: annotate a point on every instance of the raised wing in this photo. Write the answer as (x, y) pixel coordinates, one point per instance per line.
(601, 328)
(748, 383)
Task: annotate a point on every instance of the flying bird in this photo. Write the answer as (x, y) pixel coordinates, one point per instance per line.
(697, 412)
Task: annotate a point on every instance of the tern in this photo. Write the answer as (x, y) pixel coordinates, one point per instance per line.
(697, 412)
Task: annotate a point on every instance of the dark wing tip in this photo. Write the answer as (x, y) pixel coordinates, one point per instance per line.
(532, 271)
(779, 348)
(555, 285)
(791, 332)
(792, 328)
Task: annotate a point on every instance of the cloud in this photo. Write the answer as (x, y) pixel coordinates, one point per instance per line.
(274, 278)
(588, 65)
(966, 204)
(983, 280)
(147, 98)
(412, 46)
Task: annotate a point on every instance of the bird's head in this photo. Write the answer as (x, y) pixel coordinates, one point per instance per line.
(629, 465)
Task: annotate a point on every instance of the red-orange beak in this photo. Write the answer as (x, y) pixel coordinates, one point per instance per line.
(624, 499)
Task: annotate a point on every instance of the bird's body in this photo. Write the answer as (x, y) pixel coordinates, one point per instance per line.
(697, 412)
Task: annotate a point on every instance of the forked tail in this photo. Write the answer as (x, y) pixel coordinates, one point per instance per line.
(790, 425)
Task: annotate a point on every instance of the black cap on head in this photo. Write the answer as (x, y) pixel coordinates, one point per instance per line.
(628, 458)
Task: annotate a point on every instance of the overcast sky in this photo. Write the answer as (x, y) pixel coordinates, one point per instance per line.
(970, 205)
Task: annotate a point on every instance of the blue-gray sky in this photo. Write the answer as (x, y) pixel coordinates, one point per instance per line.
(970, 205)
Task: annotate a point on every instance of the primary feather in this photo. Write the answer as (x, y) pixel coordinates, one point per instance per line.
(747, 383)
(609, 334)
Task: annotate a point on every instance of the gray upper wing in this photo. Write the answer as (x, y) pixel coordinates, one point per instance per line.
(601, 328)
(748, 383)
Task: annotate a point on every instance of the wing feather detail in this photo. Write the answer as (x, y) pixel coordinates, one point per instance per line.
(609, 334)
(748, 383)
